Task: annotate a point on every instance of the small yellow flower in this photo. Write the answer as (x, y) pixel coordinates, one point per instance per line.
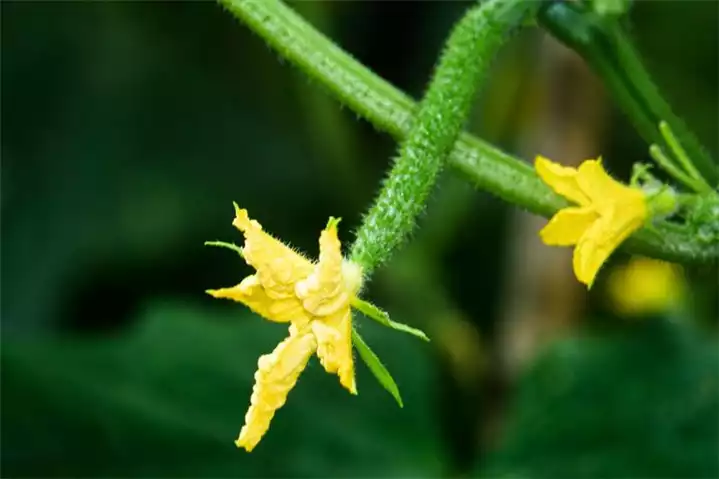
(608, 212)
(313, 297)
(645, 285)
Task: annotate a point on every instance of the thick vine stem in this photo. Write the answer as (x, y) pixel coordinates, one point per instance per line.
(386, 107)
(390, 110)
(462, 67)
(602, 43)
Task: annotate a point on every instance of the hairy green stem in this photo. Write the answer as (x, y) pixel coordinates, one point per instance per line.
(390, 110)
(462, 67)
(383, 105)
(606, 48)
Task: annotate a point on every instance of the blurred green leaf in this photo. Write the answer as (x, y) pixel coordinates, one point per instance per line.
(640, 403)
(168, 399)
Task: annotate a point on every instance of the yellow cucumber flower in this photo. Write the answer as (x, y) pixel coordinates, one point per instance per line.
(646, 285)
(313, 297)
(608, 212)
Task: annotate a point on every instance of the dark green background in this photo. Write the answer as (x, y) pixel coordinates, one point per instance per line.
(128, 128)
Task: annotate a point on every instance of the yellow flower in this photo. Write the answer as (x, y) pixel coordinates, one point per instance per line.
(645, 286)
(608, 212)
(313, 297)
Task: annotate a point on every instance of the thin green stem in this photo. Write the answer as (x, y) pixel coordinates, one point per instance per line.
(390, 110)
(681, 155)
(688, 201)
(606, 48)
(662, 160)
(222, 244)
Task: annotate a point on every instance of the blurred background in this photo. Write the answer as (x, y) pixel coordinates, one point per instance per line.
(128, 128)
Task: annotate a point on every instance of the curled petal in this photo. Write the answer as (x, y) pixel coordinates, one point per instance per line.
(334, 347)
(315, 298)
(567, 226)
(278, 266)
(251, 293)
(328, 289)
(603, 237)
(276, 375)
(562, 179)
(326, 294)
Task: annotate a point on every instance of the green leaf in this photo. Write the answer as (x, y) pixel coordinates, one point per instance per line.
(642, 401)
(373, 312)
(167, 398)
(376, 366)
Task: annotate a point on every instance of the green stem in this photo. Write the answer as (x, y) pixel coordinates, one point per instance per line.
(222, 244)
(386, 107)
(390, 110)
(463, 66)
(606, 48)
(681, 156)
(658, 155)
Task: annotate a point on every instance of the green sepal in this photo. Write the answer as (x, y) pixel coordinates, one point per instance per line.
(373, 312)
(222, 244)
(610, 8)
(376, 366)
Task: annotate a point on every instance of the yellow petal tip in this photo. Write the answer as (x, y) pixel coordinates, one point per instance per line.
(541, 159)
(241, 445)
(584, 277)
(242, 219)
(549, 237)
(543, 236)
(333, 222)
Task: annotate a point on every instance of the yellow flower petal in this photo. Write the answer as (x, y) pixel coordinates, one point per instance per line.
(315, 298)
(324, 291)
(276, 375)
(271, 291)
(251, 293)
(610, 213)
(603, 237)
(278, 266)
(326, 294)
(561, 179)
(567, 226)
(334, 347)
(598, 186)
